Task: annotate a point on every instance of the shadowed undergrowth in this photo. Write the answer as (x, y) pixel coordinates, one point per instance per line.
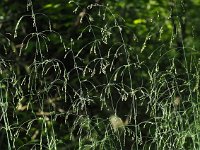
(98, 91)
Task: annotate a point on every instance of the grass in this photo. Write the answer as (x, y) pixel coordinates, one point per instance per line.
(112, 95)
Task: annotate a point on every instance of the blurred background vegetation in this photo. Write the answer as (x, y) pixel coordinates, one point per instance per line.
(66, 67)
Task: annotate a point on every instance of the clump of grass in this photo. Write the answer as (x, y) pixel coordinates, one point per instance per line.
(97, 103)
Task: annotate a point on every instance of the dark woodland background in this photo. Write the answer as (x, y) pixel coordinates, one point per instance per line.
(132, 59)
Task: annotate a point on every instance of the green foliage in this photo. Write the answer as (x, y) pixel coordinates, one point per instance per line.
(112, 75)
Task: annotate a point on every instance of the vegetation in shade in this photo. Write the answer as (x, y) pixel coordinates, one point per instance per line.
(115, 74)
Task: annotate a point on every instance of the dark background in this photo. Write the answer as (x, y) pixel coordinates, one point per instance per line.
(133, 59)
